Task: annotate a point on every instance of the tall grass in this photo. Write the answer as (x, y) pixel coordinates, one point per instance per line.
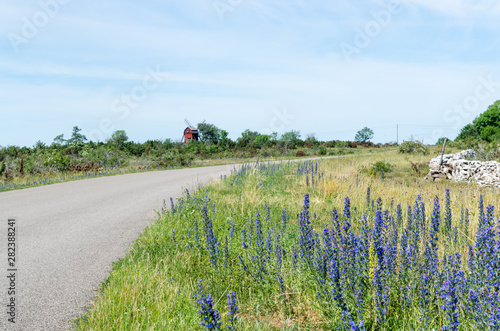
(313, 246)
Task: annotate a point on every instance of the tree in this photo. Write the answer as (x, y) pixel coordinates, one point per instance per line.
(222, 136)
(490, 133)
(311, 137)
(119, 137)
(291, 139)
(39, 146)
(274, 137)
(469, 131)
(247, 137)
(261, 140)
(491, 117)
(486, 126)
(364, 135)
(311, 140)
(59, 140)
(77, 137)
(209, 132)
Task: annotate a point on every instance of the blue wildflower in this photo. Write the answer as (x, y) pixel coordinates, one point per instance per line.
(232, 310)
(210, 316)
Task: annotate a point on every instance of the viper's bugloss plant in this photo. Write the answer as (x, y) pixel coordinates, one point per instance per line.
(210, 316)
(368, 197)
(451, 289)
(244, 237)
(372, 267)
(306, 235)
(172, 205)
(232, 310)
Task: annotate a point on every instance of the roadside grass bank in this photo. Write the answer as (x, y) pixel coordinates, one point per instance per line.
(39, 180)
(313, 245)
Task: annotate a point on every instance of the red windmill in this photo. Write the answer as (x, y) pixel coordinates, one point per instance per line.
(190, 132)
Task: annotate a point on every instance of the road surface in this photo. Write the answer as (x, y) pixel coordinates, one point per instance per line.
(68, 235)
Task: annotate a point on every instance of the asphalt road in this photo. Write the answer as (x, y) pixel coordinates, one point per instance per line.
(69, 234)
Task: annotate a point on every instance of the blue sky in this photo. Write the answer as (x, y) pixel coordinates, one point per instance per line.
(323, 68)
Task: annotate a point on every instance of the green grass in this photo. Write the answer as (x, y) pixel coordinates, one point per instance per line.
(29, 181)
(152, 288)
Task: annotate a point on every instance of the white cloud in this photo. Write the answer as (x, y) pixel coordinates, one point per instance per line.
(461, 8)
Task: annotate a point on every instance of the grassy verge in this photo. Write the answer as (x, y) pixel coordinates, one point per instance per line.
(314, 262)
(29, 181)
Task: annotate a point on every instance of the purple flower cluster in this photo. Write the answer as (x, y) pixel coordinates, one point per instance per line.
(306, 234)
(210, 316)
(367, 266)
(212, 245)
(232, 310)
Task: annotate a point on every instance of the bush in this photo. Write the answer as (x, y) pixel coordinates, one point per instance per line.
(56, 161)
(342, 144)
(87, 166)
(105, 158)
(322, 150)
(213, 149)
(414, 147)
(380, 166)
(342, 151)
(300, 154)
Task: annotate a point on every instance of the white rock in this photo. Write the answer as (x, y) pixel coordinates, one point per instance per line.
(457, 168)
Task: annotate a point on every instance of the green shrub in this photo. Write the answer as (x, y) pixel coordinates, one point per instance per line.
(213, 149)
(322, 150)
(414, 147)
(376, 168)
(343, 151)
(56, 161)
(183, 160)
(2, 167)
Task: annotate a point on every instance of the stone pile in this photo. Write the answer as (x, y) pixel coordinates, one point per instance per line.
(458, 168)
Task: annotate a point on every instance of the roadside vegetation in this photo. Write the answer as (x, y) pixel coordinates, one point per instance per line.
(77, 158)
(355, 243)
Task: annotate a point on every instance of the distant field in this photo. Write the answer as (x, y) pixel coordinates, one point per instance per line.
(307, 246)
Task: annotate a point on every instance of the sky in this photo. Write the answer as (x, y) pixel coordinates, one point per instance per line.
(409, 69)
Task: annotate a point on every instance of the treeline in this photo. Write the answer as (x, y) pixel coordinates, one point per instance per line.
(78, 154)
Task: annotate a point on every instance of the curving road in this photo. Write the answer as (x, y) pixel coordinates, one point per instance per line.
(69, 234)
